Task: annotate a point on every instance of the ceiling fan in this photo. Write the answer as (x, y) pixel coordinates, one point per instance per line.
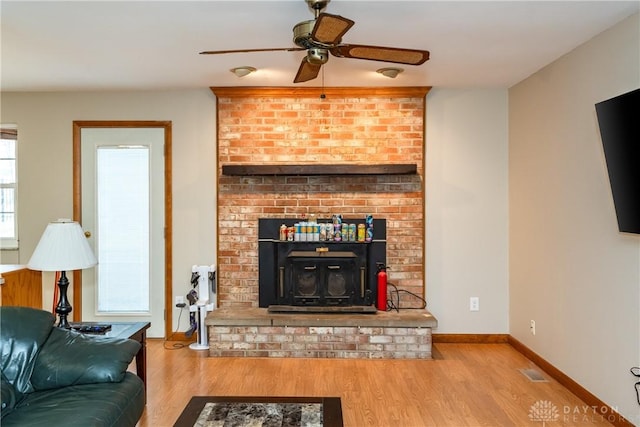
(323, 35)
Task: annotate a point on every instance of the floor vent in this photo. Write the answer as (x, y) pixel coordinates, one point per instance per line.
(534, 375)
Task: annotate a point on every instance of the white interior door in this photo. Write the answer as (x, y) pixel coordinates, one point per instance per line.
(122, 184)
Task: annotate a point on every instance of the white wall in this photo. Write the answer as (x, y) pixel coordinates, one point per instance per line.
(570, 269)
(467, 209)
(45, 166)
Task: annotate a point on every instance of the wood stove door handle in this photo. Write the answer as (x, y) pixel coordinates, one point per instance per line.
(310, 267)
(281, 282)
(333, 267)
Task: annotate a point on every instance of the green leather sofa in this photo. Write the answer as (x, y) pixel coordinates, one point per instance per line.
(56, 377)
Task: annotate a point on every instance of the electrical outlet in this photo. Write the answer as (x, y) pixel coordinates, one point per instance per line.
(532, 327)
(179, 300)
(474, 304)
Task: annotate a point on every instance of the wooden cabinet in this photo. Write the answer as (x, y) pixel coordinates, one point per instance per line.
(20, 286)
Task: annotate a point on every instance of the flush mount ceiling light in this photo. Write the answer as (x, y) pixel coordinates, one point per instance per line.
(392, 73)
(242, 71)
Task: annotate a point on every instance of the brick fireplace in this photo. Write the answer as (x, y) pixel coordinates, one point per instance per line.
(296, 127)
(292, 153)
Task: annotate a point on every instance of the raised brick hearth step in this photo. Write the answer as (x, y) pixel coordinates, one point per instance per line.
(255, 332)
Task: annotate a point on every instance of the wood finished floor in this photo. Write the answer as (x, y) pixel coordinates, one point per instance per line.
(467, 385)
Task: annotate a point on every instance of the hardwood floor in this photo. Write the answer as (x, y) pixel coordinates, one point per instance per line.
(467, 385)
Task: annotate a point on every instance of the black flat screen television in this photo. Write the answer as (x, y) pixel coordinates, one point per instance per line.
(619, 121)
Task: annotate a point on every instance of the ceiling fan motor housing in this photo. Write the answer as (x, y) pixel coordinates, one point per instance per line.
(302, 34)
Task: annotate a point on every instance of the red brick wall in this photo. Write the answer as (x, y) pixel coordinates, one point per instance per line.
(297, 126)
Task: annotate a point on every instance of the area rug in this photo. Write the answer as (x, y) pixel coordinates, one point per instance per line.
(214, 411)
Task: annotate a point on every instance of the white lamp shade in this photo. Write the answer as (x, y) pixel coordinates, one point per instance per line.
(62, 247)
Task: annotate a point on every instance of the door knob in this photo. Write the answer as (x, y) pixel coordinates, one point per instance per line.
(87, 234)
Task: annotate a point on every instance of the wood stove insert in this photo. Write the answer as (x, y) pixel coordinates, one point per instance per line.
(320, 276)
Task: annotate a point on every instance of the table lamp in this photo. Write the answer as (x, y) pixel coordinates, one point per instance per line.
(62, 247)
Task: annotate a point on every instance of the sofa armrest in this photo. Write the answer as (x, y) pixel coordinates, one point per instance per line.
(10, 396)
(23, 332)
(70, 358)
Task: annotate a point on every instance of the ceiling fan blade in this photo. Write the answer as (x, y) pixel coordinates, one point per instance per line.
(329, 29)
(217, 52)
(379, 53)
(307, 71)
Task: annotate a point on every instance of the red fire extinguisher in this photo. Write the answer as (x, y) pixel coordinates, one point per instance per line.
(382, 287)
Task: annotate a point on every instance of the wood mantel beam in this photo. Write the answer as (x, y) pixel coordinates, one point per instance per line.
(308, 92)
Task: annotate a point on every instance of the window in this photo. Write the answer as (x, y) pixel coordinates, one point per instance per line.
(8, 187)
(123, 214)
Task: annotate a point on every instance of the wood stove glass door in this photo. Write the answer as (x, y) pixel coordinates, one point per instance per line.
(305, 283)
(317, 281)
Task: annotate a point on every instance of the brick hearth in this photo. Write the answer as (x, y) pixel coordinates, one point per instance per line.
(254, 332)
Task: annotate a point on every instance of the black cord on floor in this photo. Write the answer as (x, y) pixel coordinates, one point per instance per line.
(175, 345)
(396, 305)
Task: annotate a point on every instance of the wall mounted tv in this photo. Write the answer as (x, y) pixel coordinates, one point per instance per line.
(619, 123)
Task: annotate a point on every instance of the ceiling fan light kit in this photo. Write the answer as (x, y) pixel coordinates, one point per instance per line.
(391, 72)
(243, 71)
(323, 36)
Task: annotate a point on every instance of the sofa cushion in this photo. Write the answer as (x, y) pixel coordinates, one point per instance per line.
(70, 358)
(23, 331)
(96, 405)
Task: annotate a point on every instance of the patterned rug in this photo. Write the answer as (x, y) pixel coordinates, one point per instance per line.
(211, 411)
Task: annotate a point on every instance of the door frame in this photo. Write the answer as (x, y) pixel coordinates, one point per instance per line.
(78, 125)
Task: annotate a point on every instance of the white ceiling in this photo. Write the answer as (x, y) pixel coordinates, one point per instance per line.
(124, 45)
